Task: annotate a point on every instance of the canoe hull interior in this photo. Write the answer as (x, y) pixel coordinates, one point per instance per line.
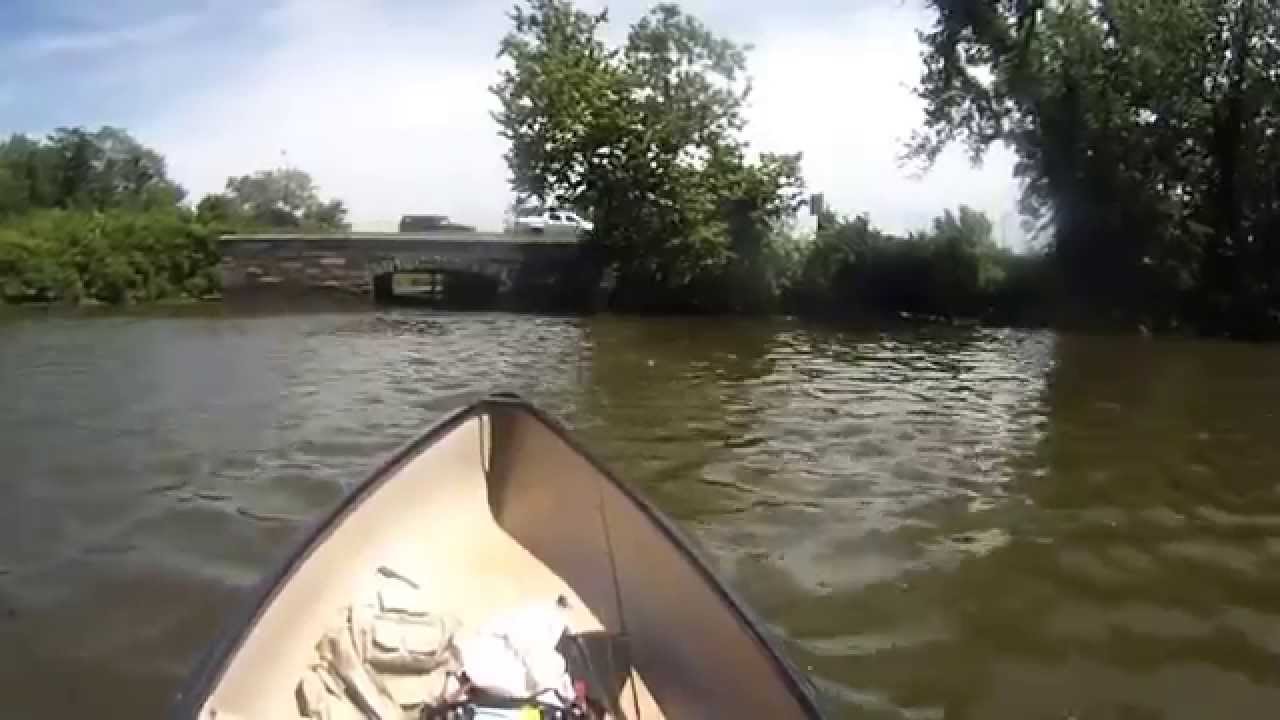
(496, 506)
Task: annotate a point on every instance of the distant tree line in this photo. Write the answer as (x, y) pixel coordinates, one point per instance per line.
(285, 198)
(93, 216)
(951, 271)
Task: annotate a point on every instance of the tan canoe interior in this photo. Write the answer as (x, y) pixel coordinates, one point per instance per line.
(499, 512)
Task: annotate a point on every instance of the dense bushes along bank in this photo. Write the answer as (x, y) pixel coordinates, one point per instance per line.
(111, 256)
(93, 216)
(953, 271)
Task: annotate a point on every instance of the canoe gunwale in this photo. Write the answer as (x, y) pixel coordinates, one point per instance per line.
(213, 662)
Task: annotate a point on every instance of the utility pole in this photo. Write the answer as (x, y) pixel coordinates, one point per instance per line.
(286, 178)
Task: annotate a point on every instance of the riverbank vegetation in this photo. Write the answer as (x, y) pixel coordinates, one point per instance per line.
(1146, 134)
(952, 271)
(647, 140)
(93, 216)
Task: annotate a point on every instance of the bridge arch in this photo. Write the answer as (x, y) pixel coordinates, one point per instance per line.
(434, 286)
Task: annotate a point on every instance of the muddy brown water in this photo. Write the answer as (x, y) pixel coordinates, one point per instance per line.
(938, 523)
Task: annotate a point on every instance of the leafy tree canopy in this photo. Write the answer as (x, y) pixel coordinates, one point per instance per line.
(74, 168)
(281, 198)
(646, 140)
(1146, 132)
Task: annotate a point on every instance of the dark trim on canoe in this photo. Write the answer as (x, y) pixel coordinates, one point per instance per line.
(800, 685)
(210, 668)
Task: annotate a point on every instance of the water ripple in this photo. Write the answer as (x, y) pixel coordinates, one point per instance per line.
(942, 523)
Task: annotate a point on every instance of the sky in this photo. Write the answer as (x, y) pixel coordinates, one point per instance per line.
(386, 102)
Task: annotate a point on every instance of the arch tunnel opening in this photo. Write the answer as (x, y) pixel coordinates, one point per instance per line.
(435, 287)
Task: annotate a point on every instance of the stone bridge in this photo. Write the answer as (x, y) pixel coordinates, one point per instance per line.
(514, 268)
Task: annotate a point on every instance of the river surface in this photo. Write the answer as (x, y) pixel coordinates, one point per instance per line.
(938, 523)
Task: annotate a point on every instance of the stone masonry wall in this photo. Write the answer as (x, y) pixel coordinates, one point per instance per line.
(288, 264)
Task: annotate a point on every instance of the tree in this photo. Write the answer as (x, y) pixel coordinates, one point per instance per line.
(1145, 136)
(76, 168)
(28, 175)
(108, 168)
(951, 270)
(281, 198)
(330, 215)
(93, 215)
(560, 101)
(964, 264)
(217, 209)
(645, 140)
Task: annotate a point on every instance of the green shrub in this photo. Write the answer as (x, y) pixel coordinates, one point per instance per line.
(116, 256)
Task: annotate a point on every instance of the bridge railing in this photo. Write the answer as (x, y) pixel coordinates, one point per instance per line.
(439, 236)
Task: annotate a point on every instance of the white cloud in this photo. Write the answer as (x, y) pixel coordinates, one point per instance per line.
(842, 93)
(382, 111)
(390, 110)
(166, 28)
